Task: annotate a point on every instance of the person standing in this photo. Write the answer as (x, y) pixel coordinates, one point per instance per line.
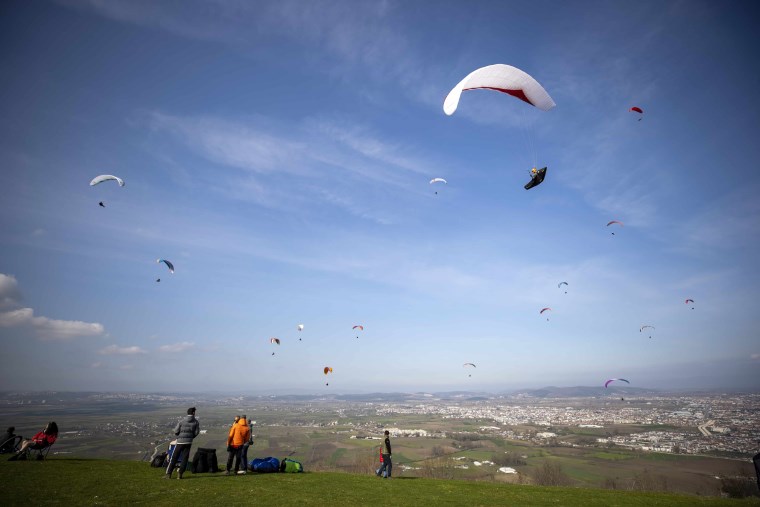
(387, 466)
(185, 431)
(248, 442)
(239, 434)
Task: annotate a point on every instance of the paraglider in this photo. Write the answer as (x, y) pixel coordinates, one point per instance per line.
(360, 328)
(438, 180)
(168, 264)
(469, 364)
(543, 310)
(300, 328)
(559, 285)
(645, 327)
(275, 341)
(511, 81)
(500, 78)
(614, 379)
(614, 222)
(327, 370)
(106, 177)
(536, 177)
(689, 301)
(158, 279)
(636, 109)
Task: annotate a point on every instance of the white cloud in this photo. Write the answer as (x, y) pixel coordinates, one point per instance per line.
(177, 347)
(115, 350)
(50, 329)
(9, 292)
(44, 327)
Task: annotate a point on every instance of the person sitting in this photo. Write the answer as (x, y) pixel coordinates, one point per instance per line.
(41, 440)
(9, 440)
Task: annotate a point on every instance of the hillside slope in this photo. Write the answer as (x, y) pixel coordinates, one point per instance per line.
(102, 482)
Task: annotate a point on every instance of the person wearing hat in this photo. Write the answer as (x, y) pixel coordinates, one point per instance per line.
(185, 431)
(248, 443)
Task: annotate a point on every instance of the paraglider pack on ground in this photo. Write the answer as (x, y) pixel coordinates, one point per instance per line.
(159, 460)
(290, 466)
(265, 465)
(205, 461)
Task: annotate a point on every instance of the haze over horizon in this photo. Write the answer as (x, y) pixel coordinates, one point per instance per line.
(279, 154)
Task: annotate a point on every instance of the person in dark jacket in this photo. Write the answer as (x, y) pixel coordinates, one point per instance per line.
(9, 440)
(387, 466)
(246, 445)
(185, 431)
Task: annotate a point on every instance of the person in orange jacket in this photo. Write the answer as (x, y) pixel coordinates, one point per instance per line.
(239, 435)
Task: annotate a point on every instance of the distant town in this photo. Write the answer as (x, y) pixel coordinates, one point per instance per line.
(714, 424)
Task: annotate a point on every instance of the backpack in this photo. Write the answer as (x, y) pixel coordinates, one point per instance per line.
(291, 466)
(159, 460)
(266, 465)
(204, 461)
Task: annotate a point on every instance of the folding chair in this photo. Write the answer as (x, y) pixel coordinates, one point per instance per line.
(11, 445)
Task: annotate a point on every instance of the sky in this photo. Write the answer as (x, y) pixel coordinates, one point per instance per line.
(279, 154)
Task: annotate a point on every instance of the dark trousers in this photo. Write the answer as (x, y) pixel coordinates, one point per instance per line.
(244, 455)
(235, 452)
(387, 466)
(180, 454)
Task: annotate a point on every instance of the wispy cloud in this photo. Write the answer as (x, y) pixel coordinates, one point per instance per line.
(286, 168)
(115, 350)
(177, 347)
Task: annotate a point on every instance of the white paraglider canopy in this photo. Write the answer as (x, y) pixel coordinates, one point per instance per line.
(501, 78)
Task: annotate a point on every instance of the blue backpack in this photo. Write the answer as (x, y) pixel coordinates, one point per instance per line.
(264, 466)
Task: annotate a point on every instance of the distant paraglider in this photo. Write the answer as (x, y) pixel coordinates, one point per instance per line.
(614, 379)
(642, 328)
(275, 341)
(465, 365)
(360, 328)
(689, 301)
(106, 177)
(438, 180)
(545, 310)
(168, 264)
(300, 328)
(636, 109)
(327, 370)
(560, 284)
(614, 222)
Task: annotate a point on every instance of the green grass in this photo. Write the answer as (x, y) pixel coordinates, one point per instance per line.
(615, 456)
(104, 482)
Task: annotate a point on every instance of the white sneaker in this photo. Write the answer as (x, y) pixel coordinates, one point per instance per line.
(241, 472)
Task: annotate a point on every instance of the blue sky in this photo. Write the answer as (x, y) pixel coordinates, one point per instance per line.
(279, 154)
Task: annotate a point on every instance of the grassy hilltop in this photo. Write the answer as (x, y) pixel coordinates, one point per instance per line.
(107, 482)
